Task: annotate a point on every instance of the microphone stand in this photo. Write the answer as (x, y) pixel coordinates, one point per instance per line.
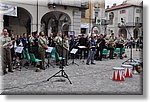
(62, 72)
(131, 53)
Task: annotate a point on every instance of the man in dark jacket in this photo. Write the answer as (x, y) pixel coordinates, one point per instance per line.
(100, 46)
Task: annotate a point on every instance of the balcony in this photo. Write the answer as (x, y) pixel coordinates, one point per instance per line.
(130, 24)
(69, 3)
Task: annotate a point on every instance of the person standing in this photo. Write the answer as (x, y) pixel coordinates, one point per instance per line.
(111, 45)
(92, 50)
(83, 42)
(42, 49)
(100, 46)
(6, 52)
(120, 44)
(65, 49)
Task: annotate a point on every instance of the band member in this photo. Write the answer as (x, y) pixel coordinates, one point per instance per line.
(33, 42)
(83, 42)
(111, 45)
(100, 46)
(65, 49)
(92, 50)
(120, 44)
(58, 43)
(6, 52)
(42, 48)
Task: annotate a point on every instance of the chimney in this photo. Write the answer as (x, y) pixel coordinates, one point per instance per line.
(114, 4)
(107, 6)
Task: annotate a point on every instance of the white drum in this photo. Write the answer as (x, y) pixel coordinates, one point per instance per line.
(128, 70)
(118, 74)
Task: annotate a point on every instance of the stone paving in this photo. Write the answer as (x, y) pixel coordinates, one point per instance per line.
(86, 79)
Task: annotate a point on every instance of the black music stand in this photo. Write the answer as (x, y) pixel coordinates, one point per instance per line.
(73, 52)
(62, 72)
(49, 50)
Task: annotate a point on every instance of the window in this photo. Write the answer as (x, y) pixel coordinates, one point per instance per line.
(137, 19)
(122, 11)
(138, 11)
(96, 14)
(83, 14)
(111, 18)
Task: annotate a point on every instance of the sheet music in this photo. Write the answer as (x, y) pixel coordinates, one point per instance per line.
(74, 51)
(81, 47)
(19, 49)
(49, 50)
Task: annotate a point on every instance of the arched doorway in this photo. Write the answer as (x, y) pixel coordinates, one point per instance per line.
(20, 24)
(52, 22)
(123, 31)
(136, 33)
(95, 30)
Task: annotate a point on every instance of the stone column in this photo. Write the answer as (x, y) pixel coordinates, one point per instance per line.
(1, 23)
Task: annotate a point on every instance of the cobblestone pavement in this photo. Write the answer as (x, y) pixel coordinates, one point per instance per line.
(86, 79)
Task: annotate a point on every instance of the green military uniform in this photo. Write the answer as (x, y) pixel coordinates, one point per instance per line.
(6, 53)
(58, 41)
(120, 42)
(41, 50)
(111, 47)
(65, 50)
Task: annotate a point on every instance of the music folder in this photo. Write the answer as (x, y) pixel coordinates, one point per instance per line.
(74, 51)
(19, 49)
(49, 50)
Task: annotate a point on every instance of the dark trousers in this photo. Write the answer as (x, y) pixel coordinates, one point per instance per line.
(111, 53)
(6, 59)
(121, 48)
(99, 54)
(83, 51)
(42, 57)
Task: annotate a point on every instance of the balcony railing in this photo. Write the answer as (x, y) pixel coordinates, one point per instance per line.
(130, 24)
(69, 3)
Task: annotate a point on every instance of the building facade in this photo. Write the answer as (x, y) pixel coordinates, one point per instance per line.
(51, 16)
(125, 19)
(90, 16)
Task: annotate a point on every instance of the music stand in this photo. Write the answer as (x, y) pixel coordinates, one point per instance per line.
(49, 50)
(73, 51)
(62, 72)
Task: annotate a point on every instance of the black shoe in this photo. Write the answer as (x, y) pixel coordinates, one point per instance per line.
(93, 63)
(10, 71)
(87, 64)
(5, 72)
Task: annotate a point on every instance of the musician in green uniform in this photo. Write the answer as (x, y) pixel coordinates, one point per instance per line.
(6, 44)
(65, 49)
(121, 44)
(59, 42)
(111, 45)
(42, 49)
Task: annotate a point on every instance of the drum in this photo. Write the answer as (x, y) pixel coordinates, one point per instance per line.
(128, 70)
(118, 74)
